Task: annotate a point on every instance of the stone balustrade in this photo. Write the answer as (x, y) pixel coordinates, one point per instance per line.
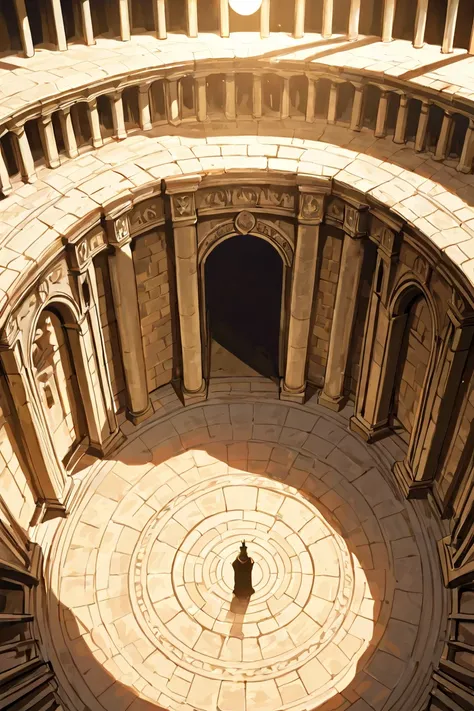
(68, 125)
(55, 25)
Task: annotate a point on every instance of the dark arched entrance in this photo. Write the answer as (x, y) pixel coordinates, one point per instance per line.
(243, 284)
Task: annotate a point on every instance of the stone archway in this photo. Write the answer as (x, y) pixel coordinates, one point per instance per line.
(243, 281)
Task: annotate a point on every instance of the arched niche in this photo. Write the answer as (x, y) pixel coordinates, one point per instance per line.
(55, 358)
(411, 356)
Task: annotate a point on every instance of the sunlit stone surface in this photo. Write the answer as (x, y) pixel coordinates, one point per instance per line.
(144, 573)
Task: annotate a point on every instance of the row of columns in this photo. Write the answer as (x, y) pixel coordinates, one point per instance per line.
(159, 10)
(173, 107)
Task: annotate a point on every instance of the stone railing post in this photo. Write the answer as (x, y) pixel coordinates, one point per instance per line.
(5, 182)
(94, 123)
(300, 7)
(328, 11)
(159, 10)
(332, 107)
(311, 213)
(310, 100)
(402, 117)
(25, 30)
(87, 26)
(58, 20)
(285, 99)
(381, 119)
(420, 23)
(124, 12)
(184, 219)
(144, 107)
(125, 296)
(201, 98)
(172, 101)
(118, 118)
(27, 167)
(192, 15)
(387, 20)
(420, 138)
(354, 16)
(444, 137)
(357, 106)
(49, 142)
(230, 107)
(467, 155)
(257, 96)
(265, 19)
(332, 395)
(450, 26)
(224, 23)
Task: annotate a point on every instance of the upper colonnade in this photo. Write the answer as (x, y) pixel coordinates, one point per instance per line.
(57, 22)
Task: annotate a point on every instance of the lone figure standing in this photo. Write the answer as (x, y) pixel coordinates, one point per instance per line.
(242, 566)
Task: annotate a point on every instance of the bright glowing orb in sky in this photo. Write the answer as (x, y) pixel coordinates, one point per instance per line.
(245, 7)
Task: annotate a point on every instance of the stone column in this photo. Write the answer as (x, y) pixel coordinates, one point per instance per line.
(124, 290)
(257, 96)
(25, 30)
(381, 116)
(183, 214)
(49, 142)
(172, 101)
(417, 471)
(230, 108)
(300, 7)
(356, 116)
(5, 183)
(192, 18)
(401, 125)
(328, 11)
(467, 155)
(47, 473)
(87, 26)
(354, 16)
(450, 26)
(444, 137)
(201, 96)
(124, 12)
(332, 395)
(265, 19)
(27, 167)
(311, 212)
(471, 41)
(285, 99)
(332, 103)
(420, 138)
(310, 100)
(144, 107)
(224, 18)
(94, 124)
(118, 119)
(61, 41)
(377, 367)
(160, 18)
(420, 23)
(387, 21)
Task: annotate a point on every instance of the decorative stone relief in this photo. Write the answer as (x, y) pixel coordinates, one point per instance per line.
(335, 210)
(148, 213)
(422, 269)
(259, 227)
(122, 228)
(182, 206)
(245, 222)
(311, 206)
(255, 195)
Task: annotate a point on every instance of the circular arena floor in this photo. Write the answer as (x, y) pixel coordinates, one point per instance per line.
(141, 609)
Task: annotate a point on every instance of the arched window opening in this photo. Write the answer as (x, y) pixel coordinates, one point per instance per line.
(58, 133)
(404, 22)
(81, 124)
(34, 139)
(462, 35)
(313, 21)
(392, 112)
(9, 154)
(10, 40)
(413, 119)
(142, 16)
(282, 16)
(341, 13)
(370, 20)
(435, 120)
(321, 104)
(70, 12)
(458, 134)
(208, 15)
(177, 16)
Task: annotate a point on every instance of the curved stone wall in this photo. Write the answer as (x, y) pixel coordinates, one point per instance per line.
(120, 177)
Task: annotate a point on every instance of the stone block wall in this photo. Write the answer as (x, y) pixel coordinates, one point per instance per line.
(151, 268)
(413, 363)
(323, 303)
(14, 487)
(109, 330)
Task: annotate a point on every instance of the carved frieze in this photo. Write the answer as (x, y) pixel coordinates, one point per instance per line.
(81, 252)
(146, 214)
(260, 227)
(182, 207)
(264, 196)
(245, 222)
(335, 210)
(122, 229)
(311, 207)
(422, 269)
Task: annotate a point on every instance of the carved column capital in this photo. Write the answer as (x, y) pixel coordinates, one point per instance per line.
(355, 221)
(183, 204)
(311, 202)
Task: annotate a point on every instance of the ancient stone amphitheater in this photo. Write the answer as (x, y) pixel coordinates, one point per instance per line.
(236, 302)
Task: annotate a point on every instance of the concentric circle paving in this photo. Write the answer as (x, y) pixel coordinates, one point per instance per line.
(145, 579)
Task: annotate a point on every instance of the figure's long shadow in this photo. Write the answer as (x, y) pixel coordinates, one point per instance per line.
(74, 641)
